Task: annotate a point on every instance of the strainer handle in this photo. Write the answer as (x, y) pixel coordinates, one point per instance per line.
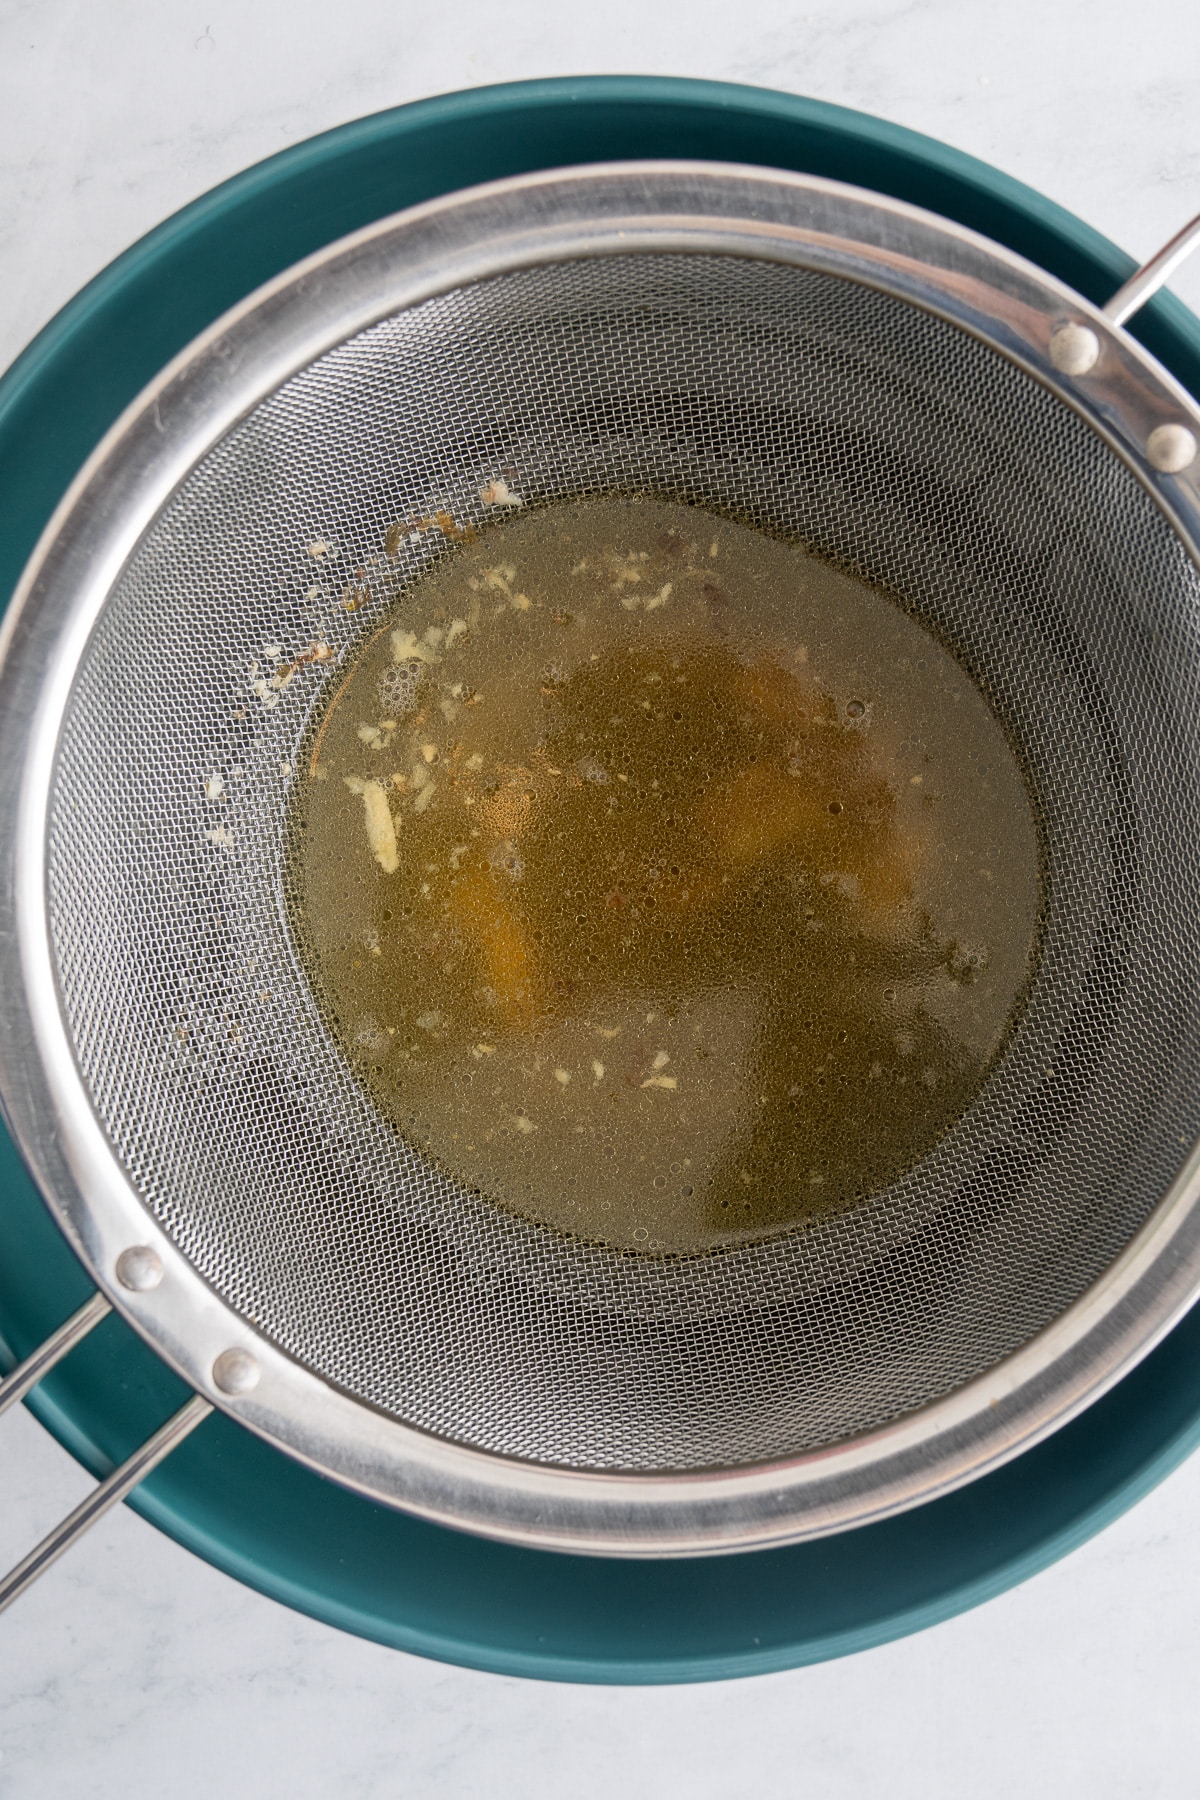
(1152, 275)
(26, 1375)
(116, 1486)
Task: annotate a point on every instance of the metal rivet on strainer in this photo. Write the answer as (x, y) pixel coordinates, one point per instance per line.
(236, 1372)
(139, 1268)
(1074, 348)
(1171, 448)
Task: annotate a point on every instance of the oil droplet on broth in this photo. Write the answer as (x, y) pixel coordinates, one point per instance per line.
(662, 882)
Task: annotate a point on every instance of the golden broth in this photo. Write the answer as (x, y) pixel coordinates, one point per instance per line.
(662, 882)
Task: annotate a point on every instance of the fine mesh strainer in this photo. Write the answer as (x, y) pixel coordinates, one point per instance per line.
(891, 389)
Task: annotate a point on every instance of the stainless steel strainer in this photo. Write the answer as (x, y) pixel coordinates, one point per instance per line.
(896, 392)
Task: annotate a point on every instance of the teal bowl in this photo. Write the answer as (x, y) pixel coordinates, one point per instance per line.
(225, 1494)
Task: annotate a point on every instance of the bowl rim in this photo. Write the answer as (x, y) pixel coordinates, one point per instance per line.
(610, 92)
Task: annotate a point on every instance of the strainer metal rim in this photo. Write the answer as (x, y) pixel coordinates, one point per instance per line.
(597, 210)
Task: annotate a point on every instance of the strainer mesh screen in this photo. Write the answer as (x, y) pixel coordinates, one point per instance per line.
(879, 435)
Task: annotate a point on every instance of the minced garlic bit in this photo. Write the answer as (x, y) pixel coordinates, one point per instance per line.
(474, 761)
(407, 647)
(608, 1031)
(381, 831)
(318, 548)
(713, 548)
(480, 1050)
(597, 1071)
(627, 568)
(522, 1123)
(456, 629)
(371, 736)
(429, 752)
(660, 1081)
(221, 835)
(501, 579)
(214, 787)
(498, 493)
(659, 599)
(424, 797)
(661, 1059)
(562, 1076)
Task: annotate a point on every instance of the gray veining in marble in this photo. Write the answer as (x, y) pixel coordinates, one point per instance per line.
(135, 1669)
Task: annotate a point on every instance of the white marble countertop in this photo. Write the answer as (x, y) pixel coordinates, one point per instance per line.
(134, 1669)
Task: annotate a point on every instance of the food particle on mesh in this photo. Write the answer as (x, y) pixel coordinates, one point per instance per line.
(214, 786)
(498, 493)
(220, 835)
